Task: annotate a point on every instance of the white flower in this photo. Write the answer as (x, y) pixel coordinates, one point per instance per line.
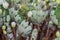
(5, 5)
(29, 14)
(13, 24)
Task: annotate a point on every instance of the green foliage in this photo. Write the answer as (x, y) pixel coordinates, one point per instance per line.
(57, 13)
(21, 13)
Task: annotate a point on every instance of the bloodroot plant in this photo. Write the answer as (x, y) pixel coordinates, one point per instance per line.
(22, 20)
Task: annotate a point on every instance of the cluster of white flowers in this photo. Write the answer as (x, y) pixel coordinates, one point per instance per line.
(13, 24)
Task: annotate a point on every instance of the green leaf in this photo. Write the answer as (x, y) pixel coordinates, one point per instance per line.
(57, 13)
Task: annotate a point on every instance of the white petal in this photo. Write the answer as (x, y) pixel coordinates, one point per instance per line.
(5, 5)
(13, 24)
(29, 14)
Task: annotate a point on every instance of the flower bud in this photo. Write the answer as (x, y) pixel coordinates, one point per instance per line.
(58, 34)
(3, 27)
(5, 5)
(13, 24)
(29, 14)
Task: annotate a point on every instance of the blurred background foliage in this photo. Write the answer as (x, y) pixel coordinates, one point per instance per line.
(57, 13)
